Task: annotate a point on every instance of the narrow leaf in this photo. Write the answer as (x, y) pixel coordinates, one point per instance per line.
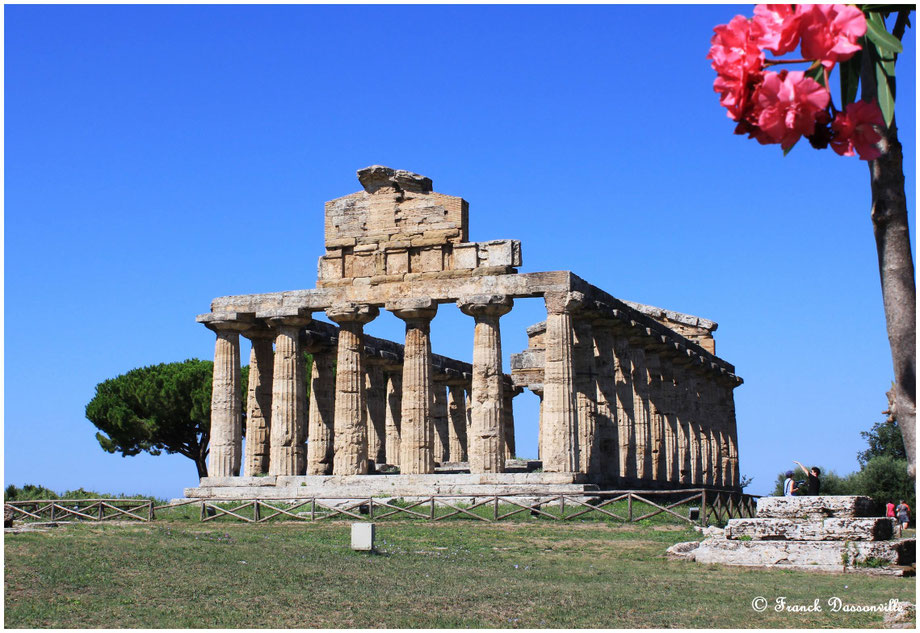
(849, 79)
(816, 72)
(884, 91)
(880, 36)
(786, 151)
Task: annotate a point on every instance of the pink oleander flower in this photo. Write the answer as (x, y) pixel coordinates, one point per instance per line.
(734, 48)
(738, 60)
(786, 105)
(857, 128)
(830, 31)
(779, 27)
(735, 93)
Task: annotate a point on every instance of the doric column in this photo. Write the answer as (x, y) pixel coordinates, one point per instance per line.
(394, 413)
(289, 398)
(440, 438)
(685, 450)
(456, 413)
(656, 418)
(697, 446)
(732, 477)
(468, 389)
(713, 416)
(539, 423)
(606, 397)
(415, 455)
(321, 420)
(350, 395)
(585, 397)
(259, 401)
(671, 423)
(641, 413)
(485, 449)
(625, 409)
(375, 388)
(560, 409)
(509, 391)
(226, 406)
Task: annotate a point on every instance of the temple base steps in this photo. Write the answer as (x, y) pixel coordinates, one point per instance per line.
(537, 484)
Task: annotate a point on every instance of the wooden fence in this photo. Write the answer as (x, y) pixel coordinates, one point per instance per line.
(629, 506)
(63, 510)
(692, 506)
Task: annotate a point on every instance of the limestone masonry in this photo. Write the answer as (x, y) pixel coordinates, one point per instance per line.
(830, 533)
(631, 395)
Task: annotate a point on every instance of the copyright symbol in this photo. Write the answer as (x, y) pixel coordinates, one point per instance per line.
(759, 604)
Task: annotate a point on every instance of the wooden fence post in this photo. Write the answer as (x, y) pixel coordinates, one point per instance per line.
(704, 511)
(629, 514)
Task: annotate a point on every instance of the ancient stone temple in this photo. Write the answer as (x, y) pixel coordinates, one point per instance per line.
(631, 395)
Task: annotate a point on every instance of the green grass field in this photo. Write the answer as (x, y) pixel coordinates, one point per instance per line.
(526, 574)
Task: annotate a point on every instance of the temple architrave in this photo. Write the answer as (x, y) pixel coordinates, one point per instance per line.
(631, 396)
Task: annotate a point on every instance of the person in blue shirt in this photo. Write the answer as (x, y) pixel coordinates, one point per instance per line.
(789, 488)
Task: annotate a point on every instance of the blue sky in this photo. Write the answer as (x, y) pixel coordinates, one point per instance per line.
(159, 156)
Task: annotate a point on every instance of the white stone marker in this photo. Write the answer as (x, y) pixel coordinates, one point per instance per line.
(362, 537)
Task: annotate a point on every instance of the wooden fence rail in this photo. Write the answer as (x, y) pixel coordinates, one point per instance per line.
(60, 510)
(716, 505)
(692, 506)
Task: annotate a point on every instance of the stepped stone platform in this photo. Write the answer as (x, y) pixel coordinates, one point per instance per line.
(871, 529)
(831, 533)
(538, 484)
(821, 507)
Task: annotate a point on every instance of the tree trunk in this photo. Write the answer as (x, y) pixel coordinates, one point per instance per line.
(201, 459)
(896, 269)
(895, 266)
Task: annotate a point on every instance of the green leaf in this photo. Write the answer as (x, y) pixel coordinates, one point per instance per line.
(880, 36)
(885, 88)
(786, 151)
(816, 72)
(849, 79)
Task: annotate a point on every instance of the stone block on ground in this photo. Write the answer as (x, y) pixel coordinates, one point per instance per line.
(821, 507)
(843, 529)
(904, 616)
(816, 555)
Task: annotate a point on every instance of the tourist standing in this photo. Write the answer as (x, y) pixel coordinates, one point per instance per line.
(903, 511)
(814, 484)
(789, 488)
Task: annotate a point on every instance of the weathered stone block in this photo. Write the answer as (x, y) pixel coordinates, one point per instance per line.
(397, 262)
(528, 359)
(426, 260)
(360, 265)
(819, 555)
(464, 256)
(496, 253)
(842, 529)
(814, 507)
(386, 279)
(331, 267)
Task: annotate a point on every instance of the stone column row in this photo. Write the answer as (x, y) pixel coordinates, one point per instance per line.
(619, 406)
